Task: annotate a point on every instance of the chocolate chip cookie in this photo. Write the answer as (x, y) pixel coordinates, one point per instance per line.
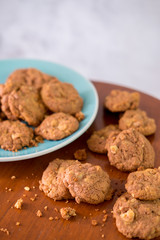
(87, 183)
(130, 150)
(97, 141)
(139, 120)
(15, 135)
(57, 126)
(61, 97)
(25, 103)
(137, 218)
(144, 185)
(120, 101)
(52, 179)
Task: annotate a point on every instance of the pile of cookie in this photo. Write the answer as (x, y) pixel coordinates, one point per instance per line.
(42, 101)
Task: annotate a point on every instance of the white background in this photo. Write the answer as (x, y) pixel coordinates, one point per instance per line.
(115, 41)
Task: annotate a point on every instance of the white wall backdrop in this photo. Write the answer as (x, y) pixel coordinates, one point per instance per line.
(115, 41)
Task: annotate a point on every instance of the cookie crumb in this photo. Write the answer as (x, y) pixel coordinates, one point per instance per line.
(27, 189)
(102, 236)
(97, 209)
(104, 211)
(33, 187)
(80, 154)
(105, 218)
(94, 222)
(13, 177)
(32, 199)
(45, 208)
(17, 223)
(10, 190)
(90, 214)
(56, 218)
(19, 203)
(55, 209)
(39, 213)
(84, 217)
(36, 195)
(50, 218)
(67, 212)
(66, 201)
(24, 195)
(5, 230)
(80, 116)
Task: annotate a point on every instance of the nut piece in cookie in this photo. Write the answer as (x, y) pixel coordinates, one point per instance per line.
(97, 141)
(52, 179)
(136, 218)
(87, 183)
(25, 103)
(144, 185)
(130, 150)
(139, 120)
(120, 101)
(57, 126)
(61, 97)
(67, 212)
(15, 135)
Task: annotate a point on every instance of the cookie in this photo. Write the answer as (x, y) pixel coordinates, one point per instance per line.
(57, 126)
(87, 183)
(30, 76)
(144, 185)
(52, 182)
(61, 97)
(130, 150)
(15, 135)
(25, 103)
(120, 101)
(137, 218)
(97, 141)
(5, 108)
(139, 120)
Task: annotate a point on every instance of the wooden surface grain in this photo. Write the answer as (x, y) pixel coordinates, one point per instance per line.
(29, 172)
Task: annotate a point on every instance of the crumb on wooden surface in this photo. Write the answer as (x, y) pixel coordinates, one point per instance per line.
(94, 222)
(56, 218)
(102, 236)
(5, 230)
(55, 209)
(27, 188)
(104, 211)
(39, 213)
(105, 218)
(67, 212)
(97, 209)
(17, 223)
(45, 208)
(19, 203)
(50, 218)
(13, 177)
(80, 154)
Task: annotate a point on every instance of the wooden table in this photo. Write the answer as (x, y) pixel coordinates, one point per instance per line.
(29, 172)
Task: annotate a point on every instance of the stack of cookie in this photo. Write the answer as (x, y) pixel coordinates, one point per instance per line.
(137, 212)
(31, 95)
(127, 147)
(68, 179)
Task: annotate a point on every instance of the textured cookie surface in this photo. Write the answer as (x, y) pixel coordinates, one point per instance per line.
(14, 135)
(52, 179)
(6, 109)
(57, 126)
(139, 120)
(87, 183)
(97, 141)
(144, 185)
(25, 103)
(130, 150)
(120, 101)
(137, 218)
(61, 97)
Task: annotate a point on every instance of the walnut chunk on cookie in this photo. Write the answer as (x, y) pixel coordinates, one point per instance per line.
(120, 101)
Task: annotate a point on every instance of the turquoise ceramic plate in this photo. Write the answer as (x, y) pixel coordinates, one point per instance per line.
(85, 88)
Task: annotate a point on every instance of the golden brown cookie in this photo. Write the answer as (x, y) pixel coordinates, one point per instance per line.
(52, 179)
(97, 141)
(57, 126)
(130, 150)
(145, 184)
(15, 135)
(139, 120)
(61, 97)
(136, 218)
(120, 101)
(25, 103)
(87, 183)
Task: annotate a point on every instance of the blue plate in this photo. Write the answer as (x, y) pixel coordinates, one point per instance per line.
(85, 88)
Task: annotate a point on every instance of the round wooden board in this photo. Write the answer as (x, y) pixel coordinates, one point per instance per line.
(29, 172)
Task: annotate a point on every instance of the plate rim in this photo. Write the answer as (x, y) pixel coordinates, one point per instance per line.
(72, 138)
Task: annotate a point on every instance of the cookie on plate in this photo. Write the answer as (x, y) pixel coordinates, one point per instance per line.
(137, 218)
(5, 108)
(139, 120)
(25, 103)
(87, 183)
(61, 97)
(97, 141)
(130, 150)
(120, 101)
(144, 185)
(57, 126)
(15, 135)
(29, 76)
(52, 179)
